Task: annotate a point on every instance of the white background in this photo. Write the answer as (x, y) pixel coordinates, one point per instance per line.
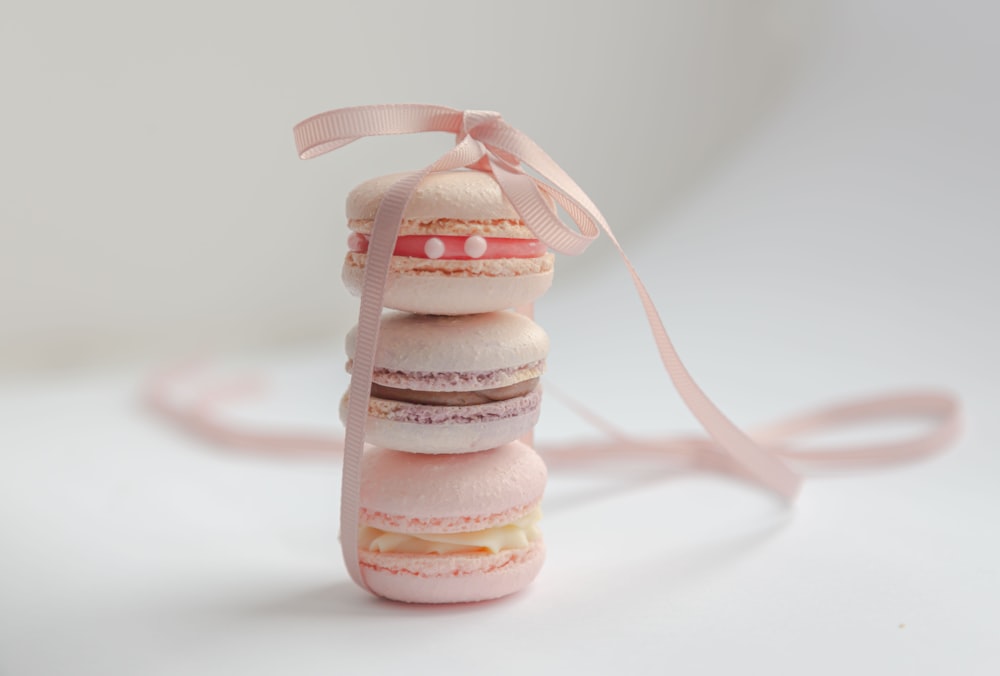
(846, 247)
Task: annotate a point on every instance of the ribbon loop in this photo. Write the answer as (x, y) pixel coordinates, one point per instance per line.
(334, 129)
(504, 147)
(472, 119)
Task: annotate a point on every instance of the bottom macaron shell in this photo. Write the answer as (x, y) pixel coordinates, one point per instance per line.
(454, 295)
(453, 578)
(448, 429)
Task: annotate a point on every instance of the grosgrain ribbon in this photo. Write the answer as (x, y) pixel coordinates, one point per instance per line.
(485, 142)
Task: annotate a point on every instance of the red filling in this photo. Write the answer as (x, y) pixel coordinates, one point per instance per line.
(453, 247)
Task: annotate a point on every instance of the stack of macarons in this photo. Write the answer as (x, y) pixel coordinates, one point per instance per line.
(450, 499)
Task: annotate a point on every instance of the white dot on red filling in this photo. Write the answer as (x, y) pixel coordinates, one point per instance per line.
(434, 248)
(475, 246)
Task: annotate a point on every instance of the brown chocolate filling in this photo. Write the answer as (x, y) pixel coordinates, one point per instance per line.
(470, 398)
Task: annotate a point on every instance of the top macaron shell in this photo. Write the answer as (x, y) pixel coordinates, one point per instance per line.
(408, 493)
(467, 205)
(459, 195)
(465, 343)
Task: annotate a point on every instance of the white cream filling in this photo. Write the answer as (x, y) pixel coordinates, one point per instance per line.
(517, 535)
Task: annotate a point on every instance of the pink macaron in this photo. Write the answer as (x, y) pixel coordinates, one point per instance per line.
(451, 528)
(462, 248)
(453, 384)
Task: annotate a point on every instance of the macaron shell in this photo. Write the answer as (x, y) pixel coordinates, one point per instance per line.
(454, 294)
(461, 194)
(474, 343)
(448, 432)
(414, 493)
(458, 578)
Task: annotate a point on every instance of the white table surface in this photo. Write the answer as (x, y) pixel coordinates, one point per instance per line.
(827, 260)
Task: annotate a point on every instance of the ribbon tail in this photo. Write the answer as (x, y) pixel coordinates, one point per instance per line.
(525, 193)
(385, 230)
(766, 466)
(334, 129)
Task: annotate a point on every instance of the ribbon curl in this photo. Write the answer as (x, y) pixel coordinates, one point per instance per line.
(485, 142)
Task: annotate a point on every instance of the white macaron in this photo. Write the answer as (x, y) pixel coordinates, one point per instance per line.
(453, 384)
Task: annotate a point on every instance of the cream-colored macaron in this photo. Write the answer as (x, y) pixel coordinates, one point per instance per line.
(462, 248)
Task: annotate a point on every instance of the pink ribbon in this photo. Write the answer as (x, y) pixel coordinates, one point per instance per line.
(485, 142)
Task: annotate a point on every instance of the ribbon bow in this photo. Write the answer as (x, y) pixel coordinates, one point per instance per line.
(485, 142)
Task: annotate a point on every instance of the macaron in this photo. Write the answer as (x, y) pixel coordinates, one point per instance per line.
(453, 384)
(451, 528)
(462, 248)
